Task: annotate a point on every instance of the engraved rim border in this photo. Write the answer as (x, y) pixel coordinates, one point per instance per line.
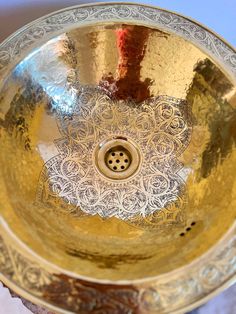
(231, 71)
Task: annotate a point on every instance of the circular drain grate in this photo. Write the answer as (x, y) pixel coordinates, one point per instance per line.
(117, 158)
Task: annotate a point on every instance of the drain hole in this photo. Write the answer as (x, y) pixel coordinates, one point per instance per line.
(121, 163)
(188, 229)
(117, 158)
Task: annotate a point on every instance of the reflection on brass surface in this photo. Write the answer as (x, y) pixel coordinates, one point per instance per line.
(117, 162)
(131, 42)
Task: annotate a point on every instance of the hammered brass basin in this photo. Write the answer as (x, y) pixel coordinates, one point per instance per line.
(117, 161)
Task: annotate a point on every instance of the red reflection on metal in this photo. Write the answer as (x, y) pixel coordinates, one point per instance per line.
(131, 43)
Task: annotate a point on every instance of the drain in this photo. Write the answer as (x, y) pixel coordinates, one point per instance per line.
(117, 158)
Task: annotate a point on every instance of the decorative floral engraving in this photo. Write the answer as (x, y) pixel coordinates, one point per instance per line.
(70, 294)
(22, 271)
(190, 286)
(78, 296)
(162, 128)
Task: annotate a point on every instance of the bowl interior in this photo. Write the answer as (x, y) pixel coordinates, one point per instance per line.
(148, 94)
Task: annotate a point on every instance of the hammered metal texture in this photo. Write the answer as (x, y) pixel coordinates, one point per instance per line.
(77, 240)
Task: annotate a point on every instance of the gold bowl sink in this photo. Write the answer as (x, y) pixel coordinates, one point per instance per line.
(117, 161)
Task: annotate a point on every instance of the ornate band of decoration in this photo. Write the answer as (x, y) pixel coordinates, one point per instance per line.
(161, 296)
(215, 269)
(47, 27)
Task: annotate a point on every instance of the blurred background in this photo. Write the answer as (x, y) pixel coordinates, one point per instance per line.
(217, 15)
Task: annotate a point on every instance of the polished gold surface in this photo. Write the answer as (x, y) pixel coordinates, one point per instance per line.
(43, 89)
(118, 152)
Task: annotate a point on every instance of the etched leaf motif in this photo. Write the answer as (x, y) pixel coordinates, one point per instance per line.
(72, 174)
